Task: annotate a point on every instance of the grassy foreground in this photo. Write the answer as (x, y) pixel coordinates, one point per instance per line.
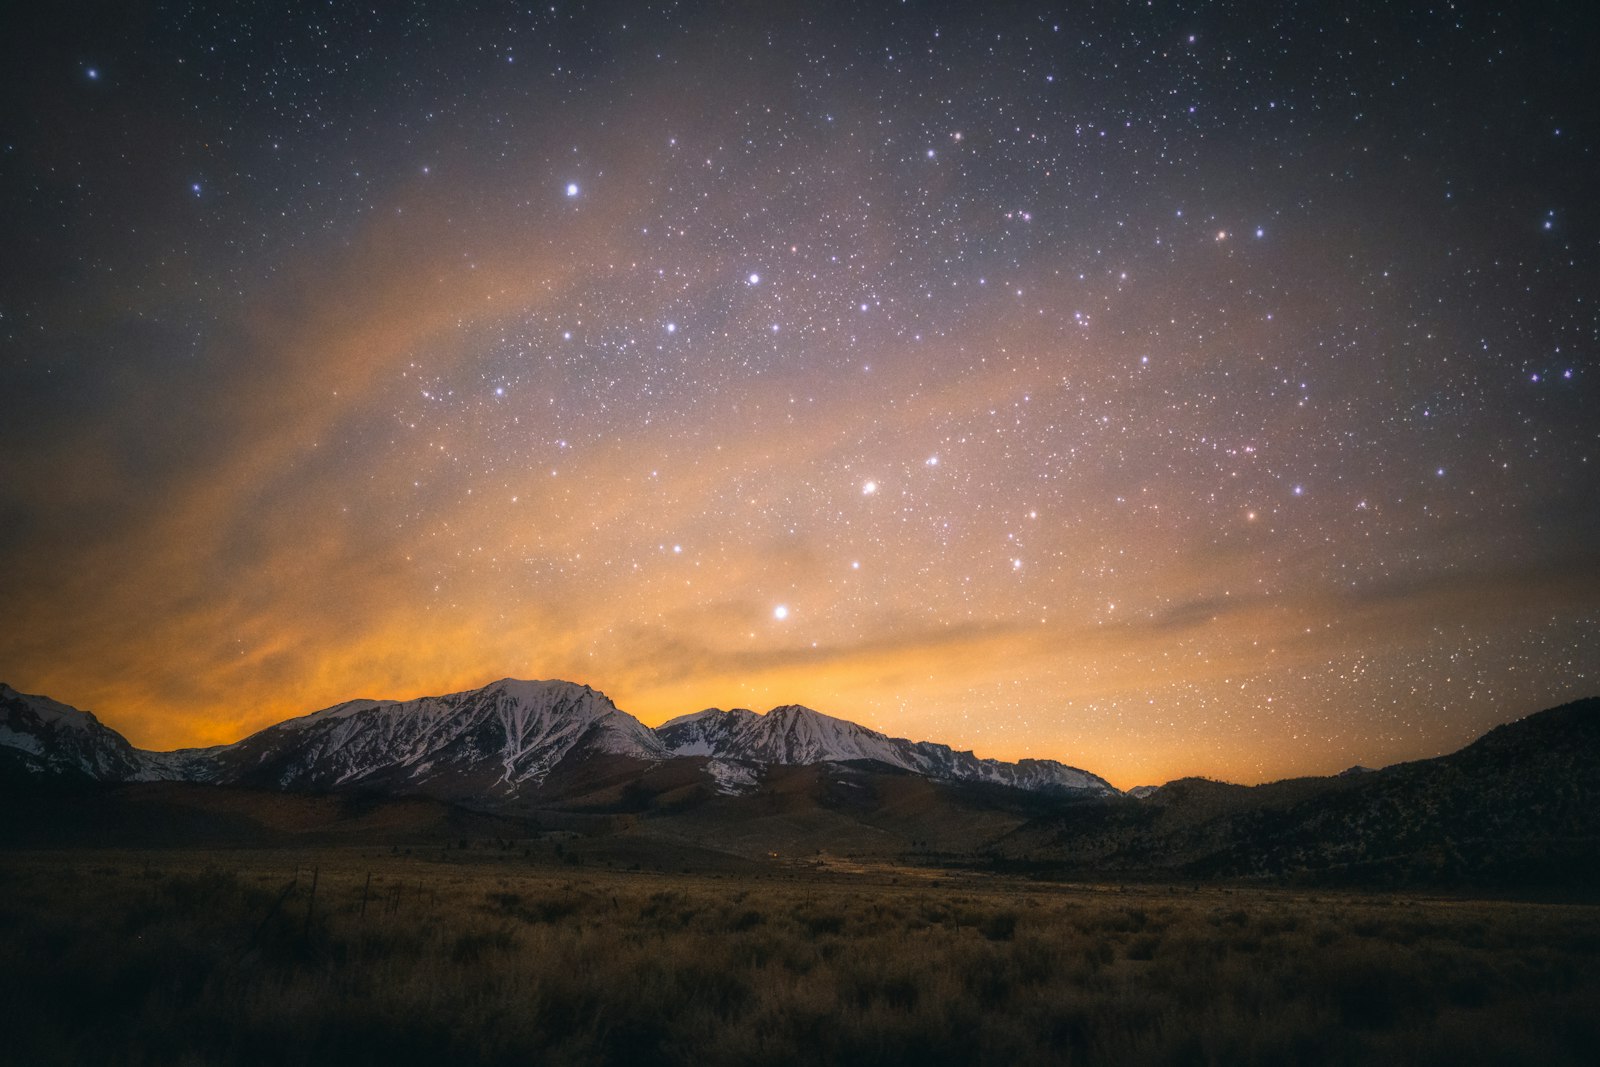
(231, 958)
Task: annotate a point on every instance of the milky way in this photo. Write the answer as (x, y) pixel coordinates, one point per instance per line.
(1187, 389)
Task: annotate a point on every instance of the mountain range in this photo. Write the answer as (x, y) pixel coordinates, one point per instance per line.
(557, 769)
(499, 742)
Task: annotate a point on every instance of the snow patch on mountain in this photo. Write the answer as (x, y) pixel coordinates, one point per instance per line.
(734, 779)
(28, 743)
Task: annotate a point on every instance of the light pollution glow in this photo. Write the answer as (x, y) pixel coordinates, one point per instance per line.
(715, 383)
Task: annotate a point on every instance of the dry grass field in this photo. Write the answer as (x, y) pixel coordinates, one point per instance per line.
(357, 957)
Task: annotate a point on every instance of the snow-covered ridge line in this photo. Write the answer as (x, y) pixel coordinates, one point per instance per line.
(493, 741)
(792, 734)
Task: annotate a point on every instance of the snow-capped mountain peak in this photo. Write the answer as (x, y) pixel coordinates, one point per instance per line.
(794, 734)
(489, 741)
(45, 737)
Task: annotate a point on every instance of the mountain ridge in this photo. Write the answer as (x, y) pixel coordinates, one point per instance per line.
(497, 741)
(795, 734)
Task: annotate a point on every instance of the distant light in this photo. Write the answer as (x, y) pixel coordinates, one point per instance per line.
(1260, 232)
(933, 461)
(780, 612)
(572, 188)
(677, 549)
(754, 279)
(499, 390)
(855, 564)
(1299, 490)
(672, 327)
(869, 488)
(94, 75)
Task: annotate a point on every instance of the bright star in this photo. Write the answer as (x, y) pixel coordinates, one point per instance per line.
(572, 188)
(780, 612)
(869, 488)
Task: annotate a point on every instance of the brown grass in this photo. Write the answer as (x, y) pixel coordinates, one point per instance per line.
(181, 958)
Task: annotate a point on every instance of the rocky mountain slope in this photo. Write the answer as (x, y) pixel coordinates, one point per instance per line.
(1521, 805)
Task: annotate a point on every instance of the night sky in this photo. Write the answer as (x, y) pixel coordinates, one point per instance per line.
(1171, 389)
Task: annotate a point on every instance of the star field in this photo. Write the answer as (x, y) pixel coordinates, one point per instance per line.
(1189, 389)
